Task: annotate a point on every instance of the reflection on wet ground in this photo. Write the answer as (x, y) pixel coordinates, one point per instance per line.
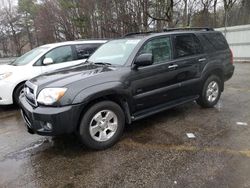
(154, 152)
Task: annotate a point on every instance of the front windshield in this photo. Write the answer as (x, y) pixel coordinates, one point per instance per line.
(29, 56)
(115, 52)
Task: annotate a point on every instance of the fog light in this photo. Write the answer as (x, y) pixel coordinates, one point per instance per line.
(47, 126)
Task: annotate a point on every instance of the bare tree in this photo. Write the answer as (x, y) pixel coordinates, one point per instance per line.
(45, 21)
(11, 22)
(228, 5)
(215, 12)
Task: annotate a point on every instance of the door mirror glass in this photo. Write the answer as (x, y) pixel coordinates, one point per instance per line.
(48, 61)
(144, 60)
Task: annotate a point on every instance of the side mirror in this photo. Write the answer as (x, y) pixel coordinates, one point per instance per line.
(48, 61)
(144, 60)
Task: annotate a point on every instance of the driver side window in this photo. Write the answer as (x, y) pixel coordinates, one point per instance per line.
(160, 48)
(60, 54)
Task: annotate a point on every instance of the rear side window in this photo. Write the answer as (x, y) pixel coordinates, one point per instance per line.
(216, 41)
(83, 51)
(186, 45)
(160, 48)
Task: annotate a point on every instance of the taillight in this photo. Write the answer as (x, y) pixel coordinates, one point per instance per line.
(231, 57)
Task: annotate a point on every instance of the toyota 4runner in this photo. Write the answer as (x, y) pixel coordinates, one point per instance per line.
(126, 80)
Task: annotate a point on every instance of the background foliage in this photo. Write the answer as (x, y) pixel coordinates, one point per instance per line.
(30, 23)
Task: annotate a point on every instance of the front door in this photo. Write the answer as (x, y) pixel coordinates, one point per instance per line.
(62, 57)
(150, 84)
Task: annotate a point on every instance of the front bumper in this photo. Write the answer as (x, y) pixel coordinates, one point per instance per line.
(63, 120)
(6, 91)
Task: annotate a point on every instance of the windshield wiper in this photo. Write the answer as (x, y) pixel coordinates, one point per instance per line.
(102, 63)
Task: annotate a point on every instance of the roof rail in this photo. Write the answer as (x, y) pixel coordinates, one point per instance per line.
(169, 30)
(188, 28)
(92, 39)
(138, 33)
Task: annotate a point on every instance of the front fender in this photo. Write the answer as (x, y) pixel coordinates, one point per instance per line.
(100, 90)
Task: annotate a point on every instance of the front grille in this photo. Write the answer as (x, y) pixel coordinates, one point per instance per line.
(30, 93)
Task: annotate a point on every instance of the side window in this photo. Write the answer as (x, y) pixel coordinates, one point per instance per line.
(83, 51)
(186, 45)
(216, 40)
(160, 49)
(60, 54)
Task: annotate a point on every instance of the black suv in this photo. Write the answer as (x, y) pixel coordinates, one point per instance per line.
(126, 80)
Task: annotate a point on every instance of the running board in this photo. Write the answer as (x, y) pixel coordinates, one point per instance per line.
(156, 109)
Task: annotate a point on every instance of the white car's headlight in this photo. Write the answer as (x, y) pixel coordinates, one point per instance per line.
(5, 75)
(49, 96)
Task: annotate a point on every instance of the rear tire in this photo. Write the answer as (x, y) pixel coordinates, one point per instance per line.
(102, 125)
(17, 93)
(211, 92)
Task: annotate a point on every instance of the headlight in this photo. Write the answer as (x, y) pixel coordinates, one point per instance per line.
(49, 96)
(5, 75)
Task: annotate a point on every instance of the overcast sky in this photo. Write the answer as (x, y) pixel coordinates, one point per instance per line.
(5, 2)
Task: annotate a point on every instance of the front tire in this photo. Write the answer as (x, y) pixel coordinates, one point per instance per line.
(211, 92)
(102, 125)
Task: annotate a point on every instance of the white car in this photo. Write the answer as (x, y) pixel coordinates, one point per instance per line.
(43, 59)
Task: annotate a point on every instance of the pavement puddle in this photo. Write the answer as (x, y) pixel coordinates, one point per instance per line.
(242, 123)
(40, 145)
(187, 148)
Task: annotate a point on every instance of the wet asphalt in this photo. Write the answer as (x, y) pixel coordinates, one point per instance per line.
(154, 152)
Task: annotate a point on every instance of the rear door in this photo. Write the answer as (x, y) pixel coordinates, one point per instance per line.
(189, 58)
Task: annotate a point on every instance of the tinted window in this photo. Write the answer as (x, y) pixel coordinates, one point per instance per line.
(160, 48)
(186, 45)
(83, 51)
(216, 41)
(61, 54)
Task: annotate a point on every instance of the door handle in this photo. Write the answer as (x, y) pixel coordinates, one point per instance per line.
(202, 59)
(172, 66)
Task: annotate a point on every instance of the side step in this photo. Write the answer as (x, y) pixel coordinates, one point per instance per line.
(156, 109)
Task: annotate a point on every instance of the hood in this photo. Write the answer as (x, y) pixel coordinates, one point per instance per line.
(10, 68)
(66, 76)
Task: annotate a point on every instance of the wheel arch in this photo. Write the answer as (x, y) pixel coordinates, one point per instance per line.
(121, 100)
(13, 92)
(218, 71)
